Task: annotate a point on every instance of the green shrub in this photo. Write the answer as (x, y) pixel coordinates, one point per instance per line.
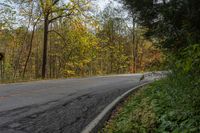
(171, 105)
(187, 61)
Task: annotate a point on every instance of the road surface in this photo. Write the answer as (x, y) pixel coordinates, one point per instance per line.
(59, 106)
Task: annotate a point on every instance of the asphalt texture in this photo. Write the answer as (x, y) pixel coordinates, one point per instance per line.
(59, 106)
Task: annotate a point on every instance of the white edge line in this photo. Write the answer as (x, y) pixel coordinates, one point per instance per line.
(92, 125)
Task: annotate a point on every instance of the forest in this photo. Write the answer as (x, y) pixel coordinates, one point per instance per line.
(59, 39)
(170, 105)
(50, 39)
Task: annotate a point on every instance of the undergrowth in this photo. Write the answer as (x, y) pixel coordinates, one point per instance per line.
(171, 105)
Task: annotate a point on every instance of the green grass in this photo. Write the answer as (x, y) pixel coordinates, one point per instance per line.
(165, 106)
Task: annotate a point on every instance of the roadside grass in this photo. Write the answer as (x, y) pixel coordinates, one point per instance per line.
(171, 105)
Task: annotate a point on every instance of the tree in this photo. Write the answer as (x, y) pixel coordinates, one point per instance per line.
(173, 26)
(78, 43)
(112, 33)
(175, 23)
(52, 11)
(172, 23)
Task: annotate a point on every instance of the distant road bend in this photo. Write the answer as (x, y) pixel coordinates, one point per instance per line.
(59, 106)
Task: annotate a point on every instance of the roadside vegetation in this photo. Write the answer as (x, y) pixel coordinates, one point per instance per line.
(165, 106)
(42, 39)
(172, 104)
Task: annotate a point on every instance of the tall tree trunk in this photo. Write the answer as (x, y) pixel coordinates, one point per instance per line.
(37, 61)
(134, 49)
(29, 52)
(136, 57)
(44, 59)
(50, 59)
(2, 70)
(135, 46)
(20, 54)
(21, 50)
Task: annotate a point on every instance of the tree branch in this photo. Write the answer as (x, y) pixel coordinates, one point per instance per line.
(60, 16)
(56, 1)
(63, 15)
(64, 40)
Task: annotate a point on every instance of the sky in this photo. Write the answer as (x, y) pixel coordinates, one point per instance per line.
(102, 3)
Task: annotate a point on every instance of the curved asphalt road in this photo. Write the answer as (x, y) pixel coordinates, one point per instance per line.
(59, 106)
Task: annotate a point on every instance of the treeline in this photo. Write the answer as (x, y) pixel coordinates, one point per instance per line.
(174, 25)
(54, 39)
(172, 104)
